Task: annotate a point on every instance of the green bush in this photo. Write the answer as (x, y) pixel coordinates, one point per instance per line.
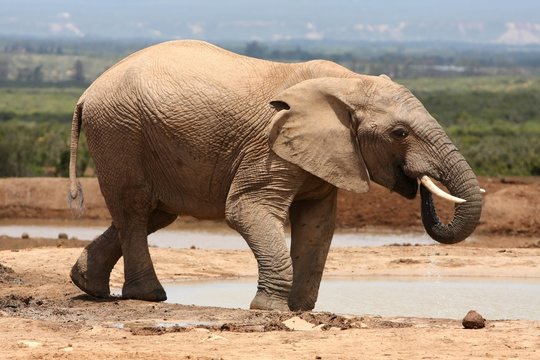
(37, 149)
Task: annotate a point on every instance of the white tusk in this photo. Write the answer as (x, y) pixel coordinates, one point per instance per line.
(482, 191)
(435, 190)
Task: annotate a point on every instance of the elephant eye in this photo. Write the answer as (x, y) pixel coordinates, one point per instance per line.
(400, 133)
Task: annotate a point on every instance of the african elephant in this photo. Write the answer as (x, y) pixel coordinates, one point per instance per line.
(185, 127)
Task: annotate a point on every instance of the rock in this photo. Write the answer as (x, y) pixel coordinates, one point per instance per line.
(25, 235)
(63, 236)
(299, 324)
(473, 320)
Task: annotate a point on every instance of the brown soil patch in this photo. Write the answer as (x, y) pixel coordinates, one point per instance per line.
(511, 205)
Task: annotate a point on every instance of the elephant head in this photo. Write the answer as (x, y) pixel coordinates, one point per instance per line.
(349, 131)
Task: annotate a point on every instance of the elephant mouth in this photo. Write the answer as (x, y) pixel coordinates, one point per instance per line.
(405, 185)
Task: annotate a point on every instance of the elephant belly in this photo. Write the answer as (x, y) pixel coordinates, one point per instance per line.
(194, 207)
(199, 190)
(187, 175)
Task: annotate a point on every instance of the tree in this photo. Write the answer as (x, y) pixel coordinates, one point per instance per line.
(32, 75)
(37, 74)
(255, 49)
(78, 72)
(4, 70)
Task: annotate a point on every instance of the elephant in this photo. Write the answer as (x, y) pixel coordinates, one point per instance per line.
(185, 127)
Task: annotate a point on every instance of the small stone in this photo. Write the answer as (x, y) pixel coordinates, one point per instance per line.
(63, 236)
(298, 324)
(473, 320)
(25, 235)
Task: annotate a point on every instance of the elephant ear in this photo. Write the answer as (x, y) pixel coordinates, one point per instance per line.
(313, 129)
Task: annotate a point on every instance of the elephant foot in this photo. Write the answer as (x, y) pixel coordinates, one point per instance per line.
(297, 305)
(94, 283)
(144, 290)
(265, 301)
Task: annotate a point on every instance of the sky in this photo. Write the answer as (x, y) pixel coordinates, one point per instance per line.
(514, 22)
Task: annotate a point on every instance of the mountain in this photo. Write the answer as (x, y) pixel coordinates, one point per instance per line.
(480, 21)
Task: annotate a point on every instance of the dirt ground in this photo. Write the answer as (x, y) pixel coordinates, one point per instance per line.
(44, 316)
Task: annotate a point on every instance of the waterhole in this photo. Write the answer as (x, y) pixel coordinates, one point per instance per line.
(218, 237)
(434, 297)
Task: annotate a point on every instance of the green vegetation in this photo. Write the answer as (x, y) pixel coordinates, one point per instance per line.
(35, 129)
(488, 100)
(494, 121)
(38, 104)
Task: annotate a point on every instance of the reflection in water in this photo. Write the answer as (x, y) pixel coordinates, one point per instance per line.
(220, 238)
(421, 297)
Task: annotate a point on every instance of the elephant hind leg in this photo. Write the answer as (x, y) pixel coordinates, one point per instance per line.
(92, 270)
(159, 219)
(93, 267)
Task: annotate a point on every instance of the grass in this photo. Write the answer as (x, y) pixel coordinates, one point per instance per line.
(38, 104)
(490, 84)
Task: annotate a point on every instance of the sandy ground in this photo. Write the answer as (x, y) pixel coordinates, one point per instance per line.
(44, 316)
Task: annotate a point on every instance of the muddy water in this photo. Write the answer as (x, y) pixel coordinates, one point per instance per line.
(210, 237)
(422, 297)
(430, 296)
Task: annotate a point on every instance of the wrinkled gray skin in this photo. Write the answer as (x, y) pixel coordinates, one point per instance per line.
(184, 127)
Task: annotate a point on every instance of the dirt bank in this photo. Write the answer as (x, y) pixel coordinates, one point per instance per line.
(511, 206)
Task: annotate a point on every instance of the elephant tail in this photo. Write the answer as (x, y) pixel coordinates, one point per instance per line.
(75, 188)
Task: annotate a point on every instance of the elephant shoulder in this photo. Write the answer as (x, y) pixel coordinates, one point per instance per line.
(326, 68)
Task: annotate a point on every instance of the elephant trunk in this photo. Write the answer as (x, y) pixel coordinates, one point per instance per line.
(462, 183)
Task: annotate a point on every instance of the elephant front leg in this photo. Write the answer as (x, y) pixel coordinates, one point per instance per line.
(312, 228)
(93, 267)
(263, 232)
